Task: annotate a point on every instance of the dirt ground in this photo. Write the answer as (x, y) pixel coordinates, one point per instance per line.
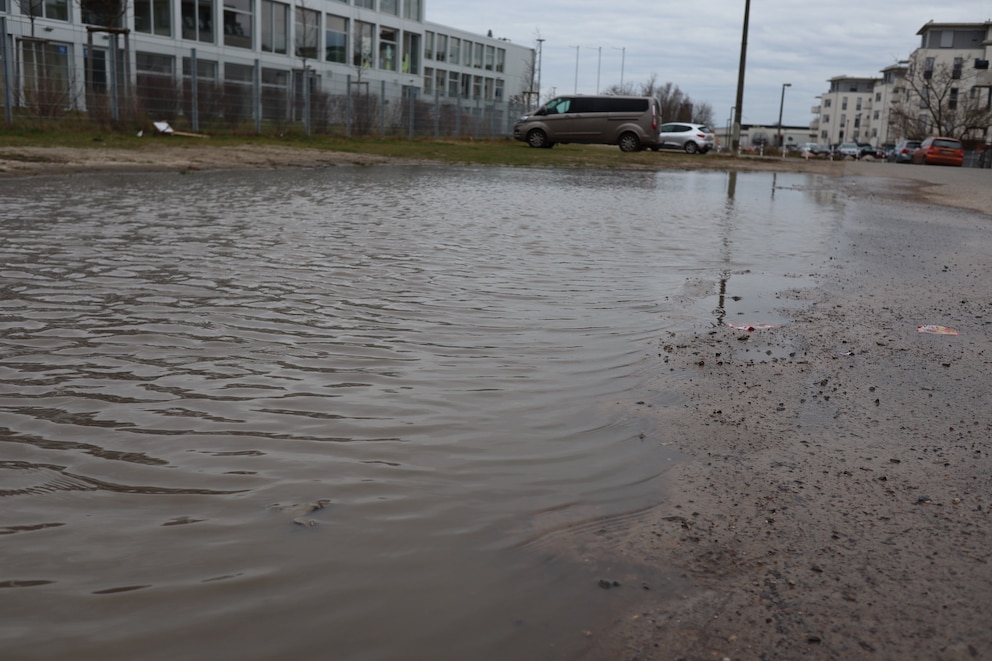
(835, 501)
(837, 498)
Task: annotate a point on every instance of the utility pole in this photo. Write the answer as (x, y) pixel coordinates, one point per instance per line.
(736, 144)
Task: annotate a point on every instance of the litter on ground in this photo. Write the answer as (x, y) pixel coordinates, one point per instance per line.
(935, 330)
(751, 327)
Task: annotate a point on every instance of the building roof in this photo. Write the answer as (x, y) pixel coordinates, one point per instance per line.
(930, 25)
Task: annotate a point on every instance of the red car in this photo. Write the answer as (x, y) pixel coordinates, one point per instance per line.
(939, 151)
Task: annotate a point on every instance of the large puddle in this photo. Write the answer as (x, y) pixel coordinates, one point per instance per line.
(325, 414)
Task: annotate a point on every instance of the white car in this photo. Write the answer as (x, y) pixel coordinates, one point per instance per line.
(693, 138)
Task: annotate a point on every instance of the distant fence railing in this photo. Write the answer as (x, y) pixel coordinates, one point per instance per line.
(39, 83)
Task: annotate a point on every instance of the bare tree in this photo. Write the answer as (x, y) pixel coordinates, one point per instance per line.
(675, 105)
(31, 9)
(306, 48)
(940, 98)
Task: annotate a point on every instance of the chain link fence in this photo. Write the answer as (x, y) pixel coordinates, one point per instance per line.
(41, 83)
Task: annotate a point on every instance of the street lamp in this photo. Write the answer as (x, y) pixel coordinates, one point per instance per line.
(540, 52)
(576, 91)
(623, 56)
(781, 106)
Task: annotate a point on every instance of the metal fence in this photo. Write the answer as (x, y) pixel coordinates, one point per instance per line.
(40, 83)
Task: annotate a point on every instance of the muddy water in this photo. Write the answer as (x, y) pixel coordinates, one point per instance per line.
(352, 413)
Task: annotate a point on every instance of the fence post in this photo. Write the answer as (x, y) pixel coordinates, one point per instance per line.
(194, 92)
(478, 118)
(437, 111)
(115, 112)
(458, 117)
(382, 109)
(348, 110)
(411, 92)
(256, 96)
(8, 107)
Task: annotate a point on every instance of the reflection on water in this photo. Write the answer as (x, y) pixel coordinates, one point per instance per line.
(319, 412)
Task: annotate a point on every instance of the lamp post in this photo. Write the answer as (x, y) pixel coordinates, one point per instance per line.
(623, 56)
(576, 90)
(781, 106)
(730, 123)
(540, 52)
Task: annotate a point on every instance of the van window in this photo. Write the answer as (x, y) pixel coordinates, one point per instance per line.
(621, 105)
(558, 106)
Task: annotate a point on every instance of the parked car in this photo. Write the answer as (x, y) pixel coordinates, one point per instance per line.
(846, 149)
(693, 138)
(903, 151)
(866, 150)
(938, 150)
(813, 150)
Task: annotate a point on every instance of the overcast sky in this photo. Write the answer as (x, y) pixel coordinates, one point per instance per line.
(696, 44)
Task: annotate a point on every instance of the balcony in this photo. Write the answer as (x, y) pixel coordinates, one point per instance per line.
(814, 125)
(815, 110)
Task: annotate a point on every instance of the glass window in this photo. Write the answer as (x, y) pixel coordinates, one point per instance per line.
(45, 79)
(428, 81)
(477, 57)
(275, 27)
(204, 68)
(490, 57)
(428, 45)
(411, 52)
(154, 63)
(97, 12)
(466, 87)
(454, 45)
(362, 44)
(453, 78)
(367, 4)
(153, 17)
(56, 9)
(387, 49)
(439, 80)
(275, 94)
(500, 59)
(307, 33)
(411, 10)
(336, 39)
(389, 7)
(441, 52)
(237, 23)
(239, 73)
(198, 20)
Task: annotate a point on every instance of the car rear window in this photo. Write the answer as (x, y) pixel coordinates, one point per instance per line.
(947, 144)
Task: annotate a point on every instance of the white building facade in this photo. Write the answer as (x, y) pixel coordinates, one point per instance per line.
(61, 48)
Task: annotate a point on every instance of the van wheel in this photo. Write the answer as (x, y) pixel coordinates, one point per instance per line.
(538, 139)
(629, 142)
(691, 147)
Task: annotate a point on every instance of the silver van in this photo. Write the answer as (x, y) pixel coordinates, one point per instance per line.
(628, 121)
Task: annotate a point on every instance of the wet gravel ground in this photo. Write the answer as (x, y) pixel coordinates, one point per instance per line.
(837, 498)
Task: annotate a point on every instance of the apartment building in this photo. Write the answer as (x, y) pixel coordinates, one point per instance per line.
(846, 110)
(944, 86)
(63, 47)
